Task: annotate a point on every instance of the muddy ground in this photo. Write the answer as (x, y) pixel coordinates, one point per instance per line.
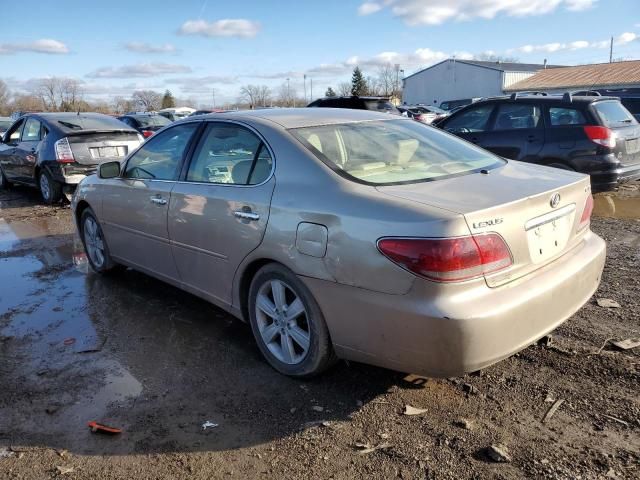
(134, 353)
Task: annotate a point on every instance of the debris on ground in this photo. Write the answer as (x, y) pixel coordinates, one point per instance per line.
(552, 410)
(209, 424)
(607, 303)
(409, 410)
(498, 453)
(6, 453)
(616, 419)
(317, 408)
(69, 341)
(100, 428)
(469, 389)
(464, 423)
(365, 448)
(64, 470)
(628, 344)
(546, 341)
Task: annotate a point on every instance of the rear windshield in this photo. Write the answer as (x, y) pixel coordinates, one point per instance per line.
(79, 122)
(383, 105)
(613, 114)
(153, 121)
(393, 152)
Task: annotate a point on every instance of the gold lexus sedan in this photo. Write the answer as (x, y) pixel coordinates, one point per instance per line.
(350, 234)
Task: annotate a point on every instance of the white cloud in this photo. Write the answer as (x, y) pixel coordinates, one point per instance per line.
(367, 8)
(141, 47)
(239, 28)
(45, 45)
(622, 39)
(139, 70)
(435, 12)
(201, 84)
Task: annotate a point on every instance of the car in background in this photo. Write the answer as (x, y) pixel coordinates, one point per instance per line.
(354, 102)
(629, 97)
(424, 113)
(55, 151)
(145, 123)
(451, 104)
(372, 238)
(5, 123)
(595, 135)
(177, 113)
(207, 112)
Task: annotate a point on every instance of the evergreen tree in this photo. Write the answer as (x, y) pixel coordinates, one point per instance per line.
(167, 100)
(358, 82)
(329, 92)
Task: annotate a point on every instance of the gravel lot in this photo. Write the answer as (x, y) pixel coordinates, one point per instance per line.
(134, 353)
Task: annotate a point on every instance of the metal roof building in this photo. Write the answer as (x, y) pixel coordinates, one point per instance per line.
(454, 79)
(582, 77)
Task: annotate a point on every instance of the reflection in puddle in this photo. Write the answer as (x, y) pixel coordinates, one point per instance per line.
(616, 206)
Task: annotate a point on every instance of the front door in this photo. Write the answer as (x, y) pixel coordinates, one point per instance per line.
(135, 206)
(8, 158)
(26, 153)
(219, 213)
(517, 133)
(471, 124)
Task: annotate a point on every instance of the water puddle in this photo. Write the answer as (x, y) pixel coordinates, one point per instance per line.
(617, 206)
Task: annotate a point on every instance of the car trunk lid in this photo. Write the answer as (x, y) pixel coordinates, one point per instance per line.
(95, 147)
(536, 210)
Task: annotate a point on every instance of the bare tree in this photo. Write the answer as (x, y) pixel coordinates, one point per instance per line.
(59, 94)
(386, 80)
(4, 98)
(344, 89)
(286, 95)
(255, 95)
(148, 100)
(26, 103)
(373, 87)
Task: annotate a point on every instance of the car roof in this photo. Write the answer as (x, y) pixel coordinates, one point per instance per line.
(308, 117)
(579, 99)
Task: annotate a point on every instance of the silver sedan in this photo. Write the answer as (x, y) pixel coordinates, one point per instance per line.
(350, 234)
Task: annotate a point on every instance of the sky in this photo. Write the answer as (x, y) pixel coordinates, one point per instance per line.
(209, 48)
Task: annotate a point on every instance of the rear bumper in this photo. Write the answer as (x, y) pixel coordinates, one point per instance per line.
(472, 328)
(70, 174)
(607, 173)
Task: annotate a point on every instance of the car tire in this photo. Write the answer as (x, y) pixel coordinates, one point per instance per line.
(4, 183)
(295, 343)
(95, 245)
(50, 190)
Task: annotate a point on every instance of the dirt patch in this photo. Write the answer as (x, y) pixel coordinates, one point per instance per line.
(159, 363)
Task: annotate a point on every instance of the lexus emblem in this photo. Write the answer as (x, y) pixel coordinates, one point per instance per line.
(555, 200)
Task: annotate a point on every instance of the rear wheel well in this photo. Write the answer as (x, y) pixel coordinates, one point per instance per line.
(245, 283)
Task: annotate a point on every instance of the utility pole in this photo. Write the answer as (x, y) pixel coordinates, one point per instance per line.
(213, 92)
(305, 87)
(311, 88)
(288, 93)
(611, 51)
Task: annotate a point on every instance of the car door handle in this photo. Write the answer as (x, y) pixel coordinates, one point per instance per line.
(158, 201)
(246, 215)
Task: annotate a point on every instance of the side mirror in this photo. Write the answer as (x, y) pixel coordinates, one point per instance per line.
(109, 170)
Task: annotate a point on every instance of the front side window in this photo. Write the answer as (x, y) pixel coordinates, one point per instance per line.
(161, 156)
(13, 135)
(152, 121)
(393, 152)
(561, 116)
(515, 116)
(472, 120)
(230, 154)
(31, 132)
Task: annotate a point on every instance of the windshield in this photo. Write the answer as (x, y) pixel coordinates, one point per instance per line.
(153, 121)
(393, 152)
(613, 114)
(5, 124)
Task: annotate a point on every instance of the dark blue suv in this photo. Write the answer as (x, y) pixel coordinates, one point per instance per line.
(592, 135)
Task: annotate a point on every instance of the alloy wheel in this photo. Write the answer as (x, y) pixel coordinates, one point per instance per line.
(44, 187)
(94, 242)
(282, 322)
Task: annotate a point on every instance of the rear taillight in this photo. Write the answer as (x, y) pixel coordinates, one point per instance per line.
(63, 151)
(586, 213)
(419, 118)
(147, 133)
(448, 259)
(601, 135)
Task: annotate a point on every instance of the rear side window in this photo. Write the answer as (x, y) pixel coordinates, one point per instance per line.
(613, 114)
(161, 156)
(31, 132)
(514, 116)
(230, 154)
(380, 105)
(565, 116)
(472, 120)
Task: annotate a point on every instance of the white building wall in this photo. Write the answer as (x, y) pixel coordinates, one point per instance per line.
(513, 77)
(451, 80)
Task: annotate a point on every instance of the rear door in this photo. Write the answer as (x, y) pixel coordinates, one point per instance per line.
(218, 214)
(135, 206)
(517, 133)
(26, 153)
(472, 123)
